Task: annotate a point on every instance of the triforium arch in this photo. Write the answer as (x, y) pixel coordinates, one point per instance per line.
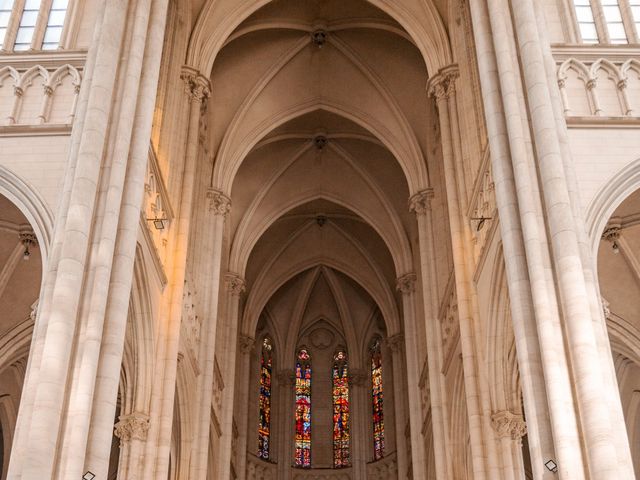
(394, 188)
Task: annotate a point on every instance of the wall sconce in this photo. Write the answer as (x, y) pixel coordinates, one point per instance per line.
(481, 221)
(89, 475)
(158, 223)
(551, 466)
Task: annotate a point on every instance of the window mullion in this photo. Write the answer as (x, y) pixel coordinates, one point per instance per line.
(12, 28)
(628, 21)
(41, 24)
(601, 24)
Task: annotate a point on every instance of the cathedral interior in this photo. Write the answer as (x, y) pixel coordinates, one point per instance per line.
(320, 239)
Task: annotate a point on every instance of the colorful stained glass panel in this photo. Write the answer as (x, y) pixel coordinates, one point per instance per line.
(377, 400)
(303, 410)
(340, 411)
(264, 421)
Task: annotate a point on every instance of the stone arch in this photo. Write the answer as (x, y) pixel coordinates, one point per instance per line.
(574, 79)
(265, 288)
(423, 25)
(607, 199)
(608, 94)
(32, 206)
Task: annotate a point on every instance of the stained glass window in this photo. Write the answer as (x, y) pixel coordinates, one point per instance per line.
(303, 409)
(264, 421)
(340, 411)
(377, 400)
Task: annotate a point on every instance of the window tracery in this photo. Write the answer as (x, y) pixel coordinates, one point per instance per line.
(341, 435)
(264, 421)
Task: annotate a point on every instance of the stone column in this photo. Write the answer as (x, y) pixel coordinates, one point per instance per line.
(420, 204)
(99, 168)
(359, 416)
(442, 88)
(395, 344)
(219, 206)
(286, 381)
(132, 431)
(246, 344)
(162, 400)
(235, 288)
(510, 428)
(406, 285)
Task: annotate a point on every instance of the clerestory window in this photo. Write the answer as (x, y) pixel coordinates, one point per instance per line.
(32, 24)
(608, 21)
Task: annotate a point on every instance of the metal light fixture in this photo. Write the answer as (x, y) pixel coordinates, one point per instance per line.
(28, 240)
(551, 466)
(615, 247)
(89, 475)
(481, 221)
(158, 223)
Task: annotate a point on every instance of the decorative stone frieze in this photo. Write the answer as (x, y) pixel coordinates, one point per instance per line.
(507, 424)
(449, 324)
(132, 426)
(219, 203)
(56, 100)
(598, 86)
(420, 203)
(406, 284)
(235, 284)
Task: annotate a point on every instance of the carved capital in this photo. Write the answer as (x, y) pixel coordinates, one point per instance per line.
(196, 85)
(235, 284)
(406, 283)
(395, 342)
(507, 424)
(420, 203)
(443, 85)
(357, 376)
(286, 376)
(219, 203)
(246, 343)
(134, 425)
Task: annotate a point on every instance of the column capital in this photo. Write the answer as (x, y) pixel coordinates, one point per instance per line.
(507, 424)
(235, 284)
(406, 283)
(197, 86)
(246, 343)
(442, 84)
(357, 376)
(286, 376)
(395, 342)
(420, 202)
(133, 425)
(219, 203)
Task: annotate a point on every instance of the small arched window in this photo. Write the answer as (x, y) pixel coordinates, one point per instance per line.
(303, 409)
(264, 420)
(377, 398)
(341, 436)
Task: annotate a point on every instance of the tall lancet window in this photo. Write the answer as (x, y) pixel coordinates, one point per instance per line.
(340, 410)
(303, 409)
(264, 421)
(377, 400)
